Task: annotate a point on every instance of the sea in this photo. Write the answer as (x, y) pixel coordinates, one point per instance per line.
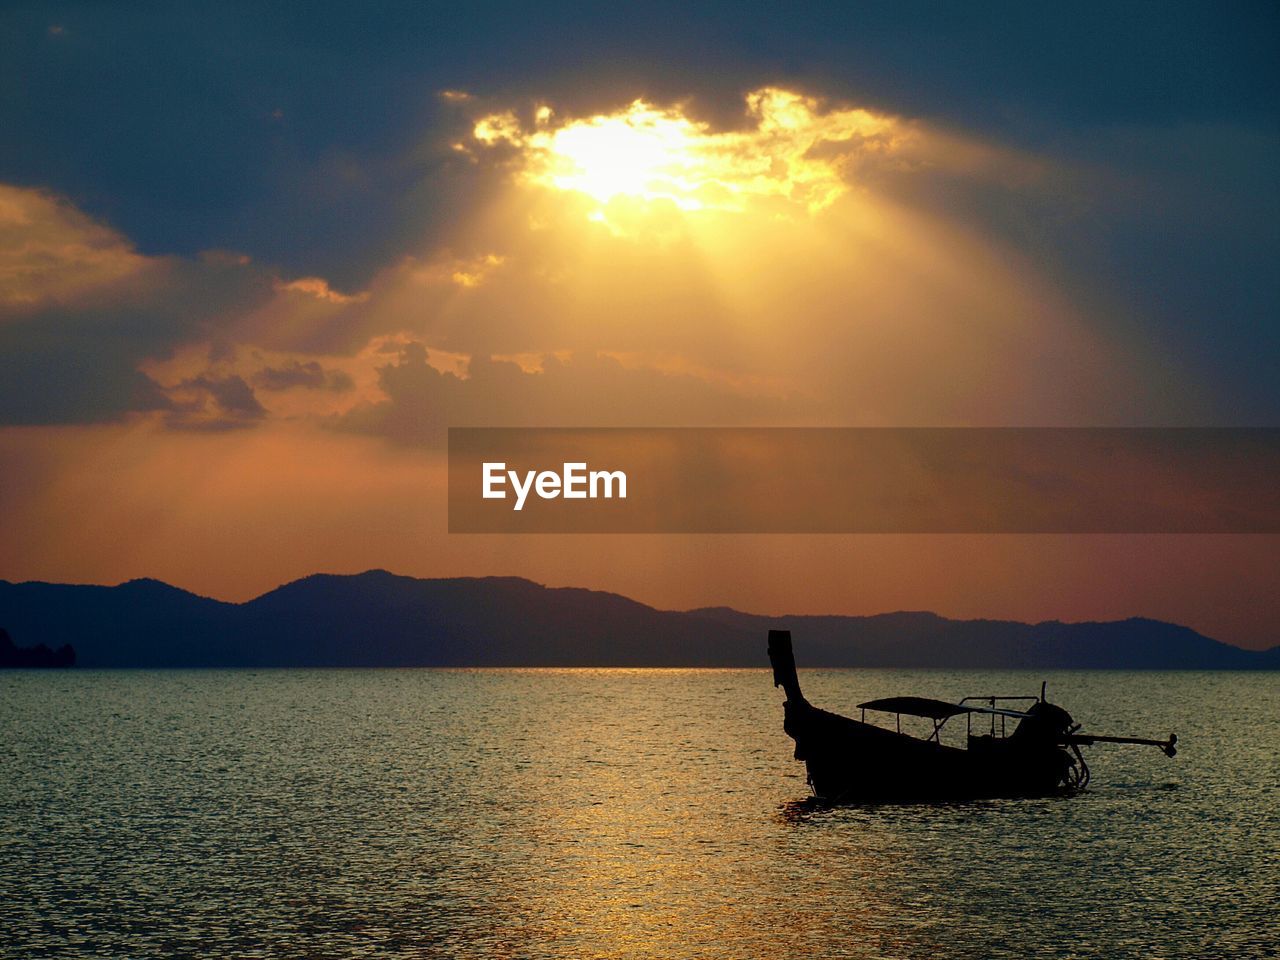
(609, 813)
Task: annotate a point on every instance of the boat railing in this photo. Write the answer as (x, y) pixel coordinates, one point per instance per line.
(992, 700)
(995, 711)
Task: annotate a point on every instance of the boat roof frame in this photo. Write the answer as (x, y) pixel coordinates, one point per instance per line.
(941, 709)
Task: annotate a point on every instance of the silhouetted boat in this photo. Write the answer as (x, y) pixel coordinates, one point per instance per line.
(852, 761)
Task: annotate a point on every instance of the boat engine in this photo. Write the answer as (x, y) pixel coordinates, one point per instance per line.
(1047, 730)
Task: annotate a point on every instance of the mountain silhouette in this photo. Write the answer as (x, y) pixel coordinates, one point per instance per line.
(378, 619)
(39, 656)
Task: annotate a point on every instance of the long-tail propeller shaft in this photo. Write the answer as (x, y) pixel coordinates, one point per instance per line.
(1168, 746)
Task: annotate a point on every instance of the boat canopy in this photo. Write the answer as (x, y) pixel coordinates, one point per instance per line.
(933, 709)
(916, 707)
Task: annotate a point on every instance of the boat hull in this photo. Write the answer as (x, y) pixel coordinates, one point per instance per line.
(849, 761)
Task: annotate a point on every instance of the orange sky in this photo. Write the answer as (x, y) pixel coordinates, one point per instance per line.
(235, 514)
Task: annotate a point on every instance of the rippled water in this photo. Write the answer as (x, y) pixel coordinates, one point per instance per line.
(420, 813)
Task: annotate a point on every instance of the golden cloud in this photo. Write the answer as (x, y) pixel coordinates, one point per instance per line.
(51, 252)
(796, 150)
(319, 288)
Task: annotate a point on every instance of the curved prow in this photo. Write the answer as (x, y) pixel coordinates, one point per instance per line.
(784, 665)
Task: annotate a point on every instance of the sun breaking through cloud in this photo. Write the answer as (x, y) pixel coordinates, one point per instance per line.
(797, 154)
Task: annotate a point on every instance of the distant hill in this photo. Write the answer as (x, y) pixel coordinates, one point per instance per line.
(41, 657)
(380, 619)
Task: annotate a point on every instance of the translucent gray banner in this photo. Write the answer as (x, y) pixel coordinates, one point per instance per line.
(864, 480)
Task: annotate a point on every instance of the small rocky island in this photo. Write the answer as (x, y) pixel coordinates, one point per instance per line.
(14, 657)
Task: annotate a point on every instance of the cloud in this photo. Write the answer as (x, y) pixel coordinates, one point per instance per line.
(795, 154)
(422, 400)
(51, 253)
(310, 375)
(213, 403)
(801, 253)
(80, 310)
(319, 288)
(218, 384)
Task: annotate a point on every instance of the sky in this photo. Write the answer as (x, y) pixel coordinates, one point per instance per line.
(254, 262)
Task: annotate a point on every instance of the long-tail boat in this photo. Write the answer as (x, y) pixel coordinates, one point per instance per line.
(854, 761)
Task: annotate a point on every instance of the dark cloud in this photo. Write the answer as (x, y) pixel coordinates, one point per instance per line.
(232, 395)
(314, 138)
(71, 381)
(213, 403)
(222, 351)
(422, 402)
(80, 309)
(310, 375)
(74, 366)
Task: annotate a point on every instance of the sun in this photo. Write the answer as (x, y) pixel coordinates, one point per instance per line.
(643, 153)
(794, 155)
